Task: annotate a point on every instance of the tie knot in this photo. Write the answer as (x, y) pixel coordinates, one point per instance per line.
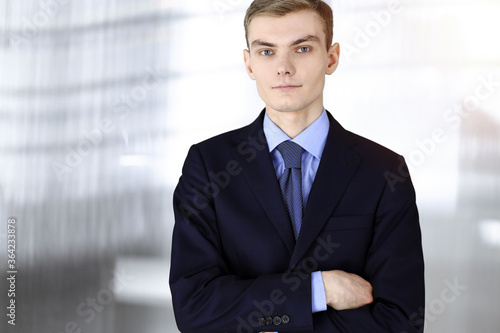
(292, 154)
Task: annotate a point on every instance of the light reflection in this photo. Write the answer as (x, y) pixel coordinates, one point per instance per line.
(490, 232)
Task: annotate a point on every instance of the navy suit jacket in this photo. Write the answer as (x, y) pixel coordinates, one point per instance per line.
(236, 266)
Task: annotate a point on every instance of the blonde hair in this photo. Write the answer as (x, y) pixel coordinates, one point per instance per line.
(282, 7)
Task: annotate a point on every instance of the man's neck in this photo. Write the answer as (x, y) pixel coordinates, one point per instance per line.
(293, 123)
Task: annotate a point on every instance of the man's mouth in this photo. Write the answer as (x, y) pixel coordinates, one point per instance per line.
(286, 87)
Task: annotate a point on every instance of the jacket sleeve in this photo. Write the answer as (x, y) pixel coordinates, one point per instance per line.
(206, 295)
(394, 264)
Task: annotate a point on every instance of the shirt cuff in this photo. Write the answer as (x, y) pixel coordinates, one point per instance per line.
(318, 293)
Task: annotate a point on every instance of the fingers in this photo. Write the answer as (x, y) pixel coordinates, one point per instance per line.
(346, 291)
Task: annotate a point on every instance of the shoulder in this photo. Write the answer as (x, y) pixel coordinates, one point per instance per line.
(222, 142)
(216, 152)
(252, 133)
(376, 158)
(380, 163)
(369, 151)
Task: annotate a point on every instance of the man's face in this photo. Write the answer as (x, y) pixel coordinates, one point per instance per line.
(288, 60)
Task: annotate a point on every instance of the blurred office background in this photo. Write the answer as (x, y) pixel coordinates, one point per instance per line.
(100, 101)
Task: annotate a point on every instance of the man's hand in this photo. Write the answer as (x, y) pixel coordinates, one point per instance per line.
(345, 291)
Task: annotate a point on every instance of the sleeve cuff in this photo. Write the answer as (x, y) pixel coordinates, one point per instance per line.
(318, 293)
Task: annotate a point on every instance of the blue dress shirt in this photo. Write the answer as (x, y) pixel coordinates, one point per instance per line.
(313, 140)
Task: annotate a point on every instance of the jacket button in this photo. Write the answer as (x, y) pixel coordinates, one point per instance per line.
(269, 320)
(285, 319)
(277, 321)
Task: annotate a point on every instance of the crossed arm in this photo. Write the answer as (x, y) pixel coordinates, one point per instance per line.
(345, 291)
(208, 297)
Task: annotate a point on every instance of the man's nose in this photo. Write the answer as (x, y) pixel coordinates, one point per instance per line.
(285, 66)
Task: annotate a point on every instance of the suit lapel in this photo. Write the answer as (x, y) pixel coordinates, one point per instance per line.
(252, 152)
(337, 167)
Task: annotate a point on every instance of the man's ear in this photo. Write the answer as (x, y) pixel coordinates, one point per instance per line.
(248, 64)
(333, 58)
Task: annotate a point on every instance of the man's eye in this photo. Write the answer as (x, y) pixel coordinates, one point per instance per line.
(304, 49)
(266, 52)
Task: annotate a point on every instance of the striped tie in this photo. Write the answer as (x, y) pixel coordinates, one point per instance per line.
(291, 182)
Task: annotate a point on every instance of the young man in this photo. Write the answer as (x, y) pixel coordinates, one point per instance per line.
(292, 223)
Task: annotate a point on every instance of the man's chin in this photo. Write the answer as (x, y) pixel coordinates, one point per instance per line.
(285, 108)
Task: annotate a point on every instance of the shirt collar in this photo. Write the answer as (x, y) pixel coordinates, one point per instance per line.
(312, 139)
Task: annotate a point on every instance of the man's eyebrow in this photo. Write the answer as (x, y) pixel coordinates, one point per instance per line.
(262, 43)
(307, 38)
